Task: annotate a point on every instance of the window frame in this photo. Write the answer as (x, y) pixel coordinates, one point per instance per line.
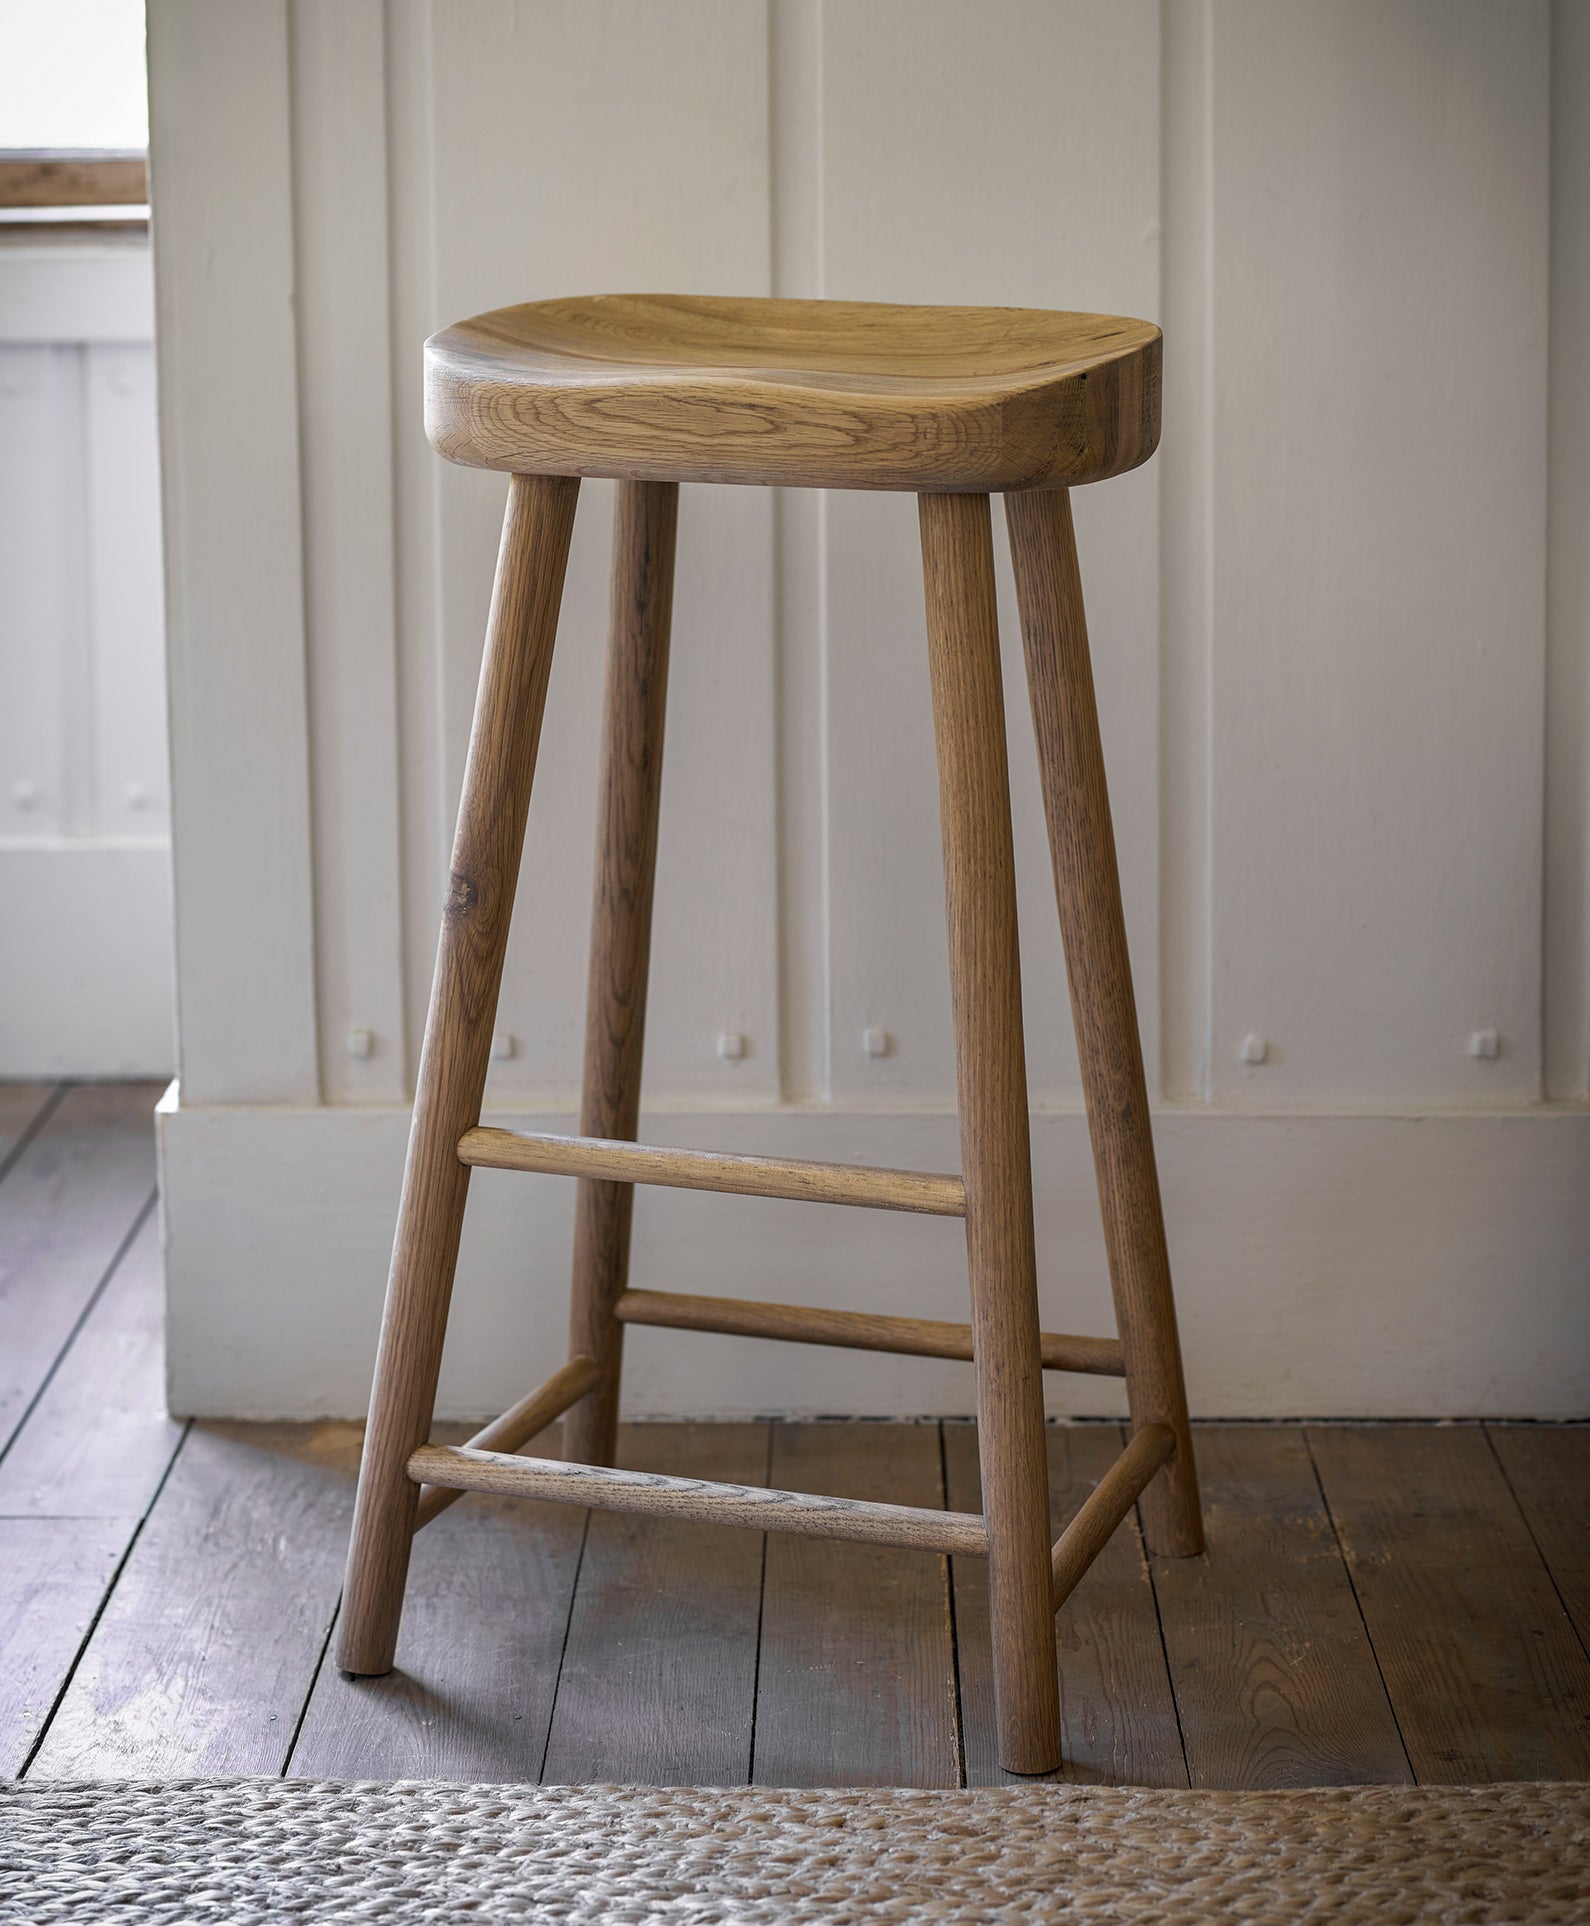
(50, 190)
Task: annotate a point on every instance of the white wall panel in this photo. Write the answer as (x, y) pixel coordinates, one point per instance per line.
(221, 172)
(85, 886)
(412, 314)
(800, 576)
(125, 605)
(1567, 843)
(41, 565)
(93, 292)
(1380, 247)
(582, 149)
(345, 414)
(1038, 186)
(85, 990)
(1186, 558)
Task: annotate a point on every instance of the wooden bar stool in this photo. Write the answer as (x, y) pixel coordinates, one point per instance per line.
(950, 403)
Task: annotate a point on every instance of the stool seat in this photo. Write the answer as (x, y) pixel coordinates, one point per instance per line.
(825, 394)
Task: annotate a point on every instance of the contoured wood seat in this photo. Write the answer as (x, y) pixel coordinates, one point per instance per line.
(817, 394)
(949, 403)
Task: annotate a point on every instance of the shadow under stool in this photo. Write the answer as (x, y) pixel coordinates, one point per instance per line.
(950, 404)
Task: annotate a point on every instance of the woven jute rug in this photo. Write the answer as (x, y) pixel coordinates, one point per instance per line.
(246, 1850)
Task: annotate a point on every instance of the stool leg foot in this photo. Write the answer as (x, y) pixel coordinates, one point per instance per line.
(453, 1062)
(991, 1080)
(645, 518)
(1087, 886)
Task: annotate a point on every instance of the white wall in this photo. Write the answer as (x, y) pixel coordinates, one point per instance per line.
(85, 892)
(1340, 667)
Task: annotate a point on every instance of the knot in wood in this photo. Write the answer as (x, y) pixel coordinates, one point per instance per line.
(462, 896)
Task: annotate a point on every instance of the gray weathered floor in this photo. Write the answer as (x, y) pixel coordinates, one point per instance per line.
(1380, 1602)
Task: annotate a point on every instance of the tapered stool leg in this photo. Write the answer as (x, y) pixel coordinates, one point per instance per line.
(645, 518)
(452, 1075)
(1087, 886)
(991, 1083)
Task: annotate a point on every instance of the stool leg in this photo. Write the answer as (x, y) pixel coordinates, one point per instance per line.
(1087, 886)
(645, 517)
(991, 1081)
(452, 1075)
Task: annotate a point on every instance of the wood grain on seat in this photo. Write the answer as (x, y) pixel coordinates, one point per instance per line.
(834, 394)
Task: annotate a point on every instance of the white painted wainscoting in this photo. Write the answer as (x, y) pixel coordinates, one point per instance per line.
(1341, 624)
(85, 861)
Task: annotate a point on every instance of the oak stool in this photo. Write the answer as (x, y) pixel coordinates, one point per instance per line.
(951, 404)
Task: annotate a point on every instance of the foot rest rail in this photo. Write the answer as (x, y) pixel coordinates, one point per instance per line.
(461, 1468)
(517, 1426)
(919, 1337)
(746, 1176)
(1106, 1505)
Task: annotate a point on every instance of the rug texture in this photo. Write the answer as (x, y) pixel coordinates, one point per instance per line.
(246, 1850)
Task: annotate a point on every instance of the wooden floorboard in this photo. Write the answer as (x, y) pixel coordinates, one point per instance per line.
(1487, 1675)
(76, 1481)
(659, 1674)
(484, 1618)
(98, 1440)
(206, 1651)
(1117, 1711)
(53, 1574)
(69, 1202)
(857, 1676)
(1275, 1678)
(22, 1109)
(1548, 1469)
